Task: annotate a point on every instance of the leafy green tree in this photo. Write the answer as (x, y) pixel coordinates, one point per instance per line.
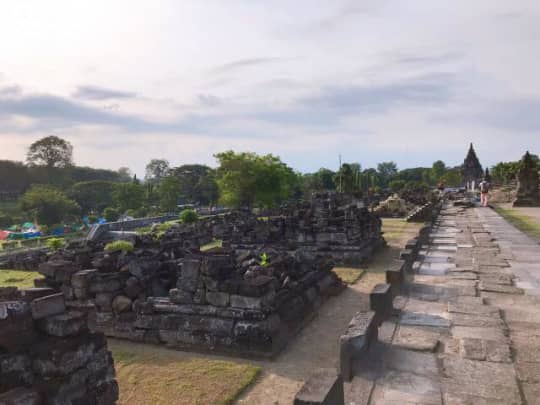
(197, 184)
(397, 185)
(386, 171)
(48, 205)
(437, 171)
(128, 196)
(247, 179)
(156, 170)
(50, 151)
(505, 172)
(93, 195)
(169, 192)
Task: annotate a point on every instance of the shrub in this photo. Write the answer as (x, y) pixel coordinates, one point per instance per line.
(119, 246)
(264, 260)
(110, 214)
(189, 216)
(141, 212)
(55, 243)
(92, 219)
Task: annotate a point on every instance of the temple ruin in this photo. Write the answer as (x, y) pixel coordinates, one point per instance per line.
(528, 194)
(471, 170)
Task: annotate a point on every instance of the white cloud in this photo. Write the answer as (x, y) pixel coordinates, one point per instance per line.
(410, 81)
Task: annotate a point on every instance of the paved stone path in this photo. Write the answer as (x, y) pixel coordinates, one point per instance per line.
(469, 327)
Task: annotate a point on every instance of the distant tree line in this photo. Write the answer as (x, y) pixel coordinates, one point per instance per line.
(56, 190)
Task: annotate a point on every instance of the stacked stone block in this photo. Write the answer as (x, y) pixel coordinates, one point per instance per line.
(48, 355)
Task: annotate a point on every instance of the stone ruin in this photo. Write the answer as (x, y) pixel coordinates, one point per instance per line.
(528, 193)
(248, 297)
(471, 170)
(393, 207)
(48, 355)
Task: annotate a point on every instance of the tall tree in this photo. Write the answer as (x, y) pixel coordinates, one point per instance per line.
(156, 169)
(93, 195)
(197, 184)
(50, 151)
(437, 171)
(386, 171)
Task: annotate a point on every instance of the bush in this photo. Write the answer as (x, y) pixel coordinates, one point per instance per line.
(189, 216)
(110, 214)
(92, 219)
(141, 212)
(119, 246)
(55, 243)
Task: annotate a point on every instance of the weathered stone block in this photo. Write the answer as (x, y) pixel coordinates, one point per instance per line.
(219, 299)
(143, 269)
(324, 387)
(104, 301)
(82, 279)
(47, 306)
(62, 325)
(381, 301)
(188, 279)
(360, 332)
(121, 304)
(179, 296)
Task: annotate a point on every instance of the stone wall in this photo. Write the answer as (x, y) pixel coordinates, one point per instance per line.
(48, 355)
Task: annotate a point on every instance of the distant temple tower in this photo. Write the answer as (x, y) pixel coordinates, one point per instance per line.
(471, 170)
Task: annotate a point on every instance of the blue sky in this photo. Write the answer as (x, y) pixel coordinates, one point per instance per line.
(409, 81)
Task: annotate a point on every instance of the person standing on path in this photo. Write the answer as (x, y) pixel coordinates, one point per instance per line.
(484, 191)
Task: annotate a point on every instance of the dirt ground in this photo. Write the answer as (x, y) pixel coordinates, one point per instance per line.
(317, 344)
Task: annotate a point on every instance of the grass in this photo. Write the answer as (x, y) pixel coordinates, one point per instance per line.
(214, 244)
(158, 376)
(348, 275)
(18, 278)
(522, 222)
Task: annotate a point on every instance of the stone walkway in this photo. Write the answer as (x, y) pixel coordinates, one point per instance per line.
(469, 327)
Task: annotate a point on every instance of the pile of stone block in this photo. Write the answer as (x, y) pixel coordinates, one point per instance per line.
(48, 355)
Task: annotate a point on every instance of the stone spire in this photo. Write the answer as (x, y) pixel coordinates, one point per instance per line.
(528, 194)
(471, 169)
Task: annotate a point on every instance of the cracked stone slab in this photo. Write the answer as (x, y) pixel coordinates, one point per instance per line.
(422, 319)
(473, 309)
(406, 388)
(475, 320)
(472, 332)
(423, 339)
(498, 288)
(482, 379)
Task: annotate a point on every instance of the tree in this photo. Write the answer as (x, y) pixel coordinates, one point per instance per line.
(48, 205)
(156, 169)
(437, 171)
(349, 178)
(247, 179)
(197, 183)
(128, 196)
(386, 171)
(125, 173)
(93, 195)
(169, 192)
(50, 151)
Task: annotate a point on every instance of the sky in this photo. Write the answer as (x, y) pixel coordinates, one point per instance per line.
(411, 81)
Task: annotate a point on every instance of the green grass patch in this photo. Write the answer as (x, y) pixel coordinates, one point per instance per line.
(522, 222)
(155, 376)
(348, 275)
(211, 245)
(18, 278)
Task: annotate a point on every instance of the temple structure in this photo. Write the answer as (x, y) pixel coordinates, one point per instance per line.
(528, 194)
(471, 170)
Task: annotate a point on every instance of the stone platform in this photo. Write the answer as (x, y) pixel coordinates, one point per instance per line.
(466, 328)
